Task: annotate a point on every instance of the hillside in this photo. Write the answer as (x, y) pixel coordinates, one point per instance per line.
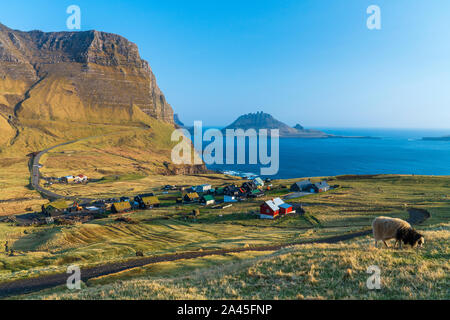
(57, 87)
(261, 120)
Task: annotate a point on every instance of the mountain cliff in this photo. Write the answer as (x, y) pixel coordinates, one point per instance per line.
(261, 120)
(85, 77)
(68, 86)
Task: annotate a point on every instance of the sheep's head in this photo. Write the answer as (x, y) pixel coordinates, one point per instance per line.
(413, 238)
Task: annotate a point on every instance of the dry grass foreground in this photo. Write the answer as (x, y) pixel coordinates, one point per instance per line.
(321, 271)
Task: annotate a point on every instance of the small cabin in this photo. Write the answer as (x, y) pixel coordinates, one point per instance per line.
(321, 187)
(203, 188)
(191, 197)
(149, 202)
(68, 179)
(120, 207)
(207, 200)
(258, 182)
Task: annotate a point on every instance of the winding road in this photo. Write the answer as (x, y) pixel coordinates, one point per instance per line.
(36, 175)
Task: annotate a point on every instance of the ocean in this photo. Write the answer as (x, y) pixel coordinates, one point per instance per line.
(395, 152)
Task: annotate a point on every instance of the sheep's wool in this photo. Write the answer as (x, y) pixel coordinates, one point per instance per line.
(385, 228)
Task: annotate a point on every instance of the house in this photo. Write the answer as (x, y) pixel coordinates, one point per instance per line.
(207, 200)
(273, 208)
(227, 198)
(219, 191)
(256, 194)
(149, 202)
(249, 186)
(119, 207)
(139, 197)
(203, 188)
(259, 182)
(191, 197)
(81, 178)
(302, 186)
(269, 210)
(231, 190)
(190, 190)
(68, 179)
(56, 208)
(285, 208)
(321, 187)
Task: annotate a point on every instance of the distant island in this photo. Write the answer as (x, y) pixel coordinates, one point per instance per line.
(444, 138)
(261, 120)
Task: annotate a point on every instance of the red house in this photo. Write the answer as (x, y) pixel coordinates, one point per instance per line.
(285, 208)
(269, 210)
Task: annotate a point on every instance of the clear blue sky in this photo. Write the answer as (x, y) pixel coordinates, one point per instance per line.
(307, 61)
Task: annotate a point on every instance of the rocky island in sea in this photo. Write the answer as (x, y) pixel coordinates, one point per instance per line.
(444, 138)
(261, 120)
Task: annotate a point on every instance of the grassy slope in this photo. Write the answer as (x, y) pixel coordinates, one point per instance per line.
(49, 249)
(337, 271)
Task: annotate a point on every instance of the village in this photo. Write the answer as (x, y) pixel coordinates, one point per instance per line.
(70, 211)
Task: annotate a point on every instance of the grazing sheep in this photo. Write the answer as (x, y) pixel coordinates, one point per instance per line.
(385, 228)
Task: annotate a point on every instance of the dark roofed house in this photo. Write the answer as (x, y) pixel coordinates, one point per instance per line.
(302, 186)
(191, 197)
(321, 187)
(249, 186)
(256, 194)
(138, 198)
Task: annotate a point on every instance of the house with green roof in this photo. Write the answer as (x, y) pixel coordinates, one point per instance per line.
(207, 200)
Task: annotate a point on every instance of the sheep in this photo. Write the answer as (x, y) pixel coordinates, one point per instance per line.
(385, 228)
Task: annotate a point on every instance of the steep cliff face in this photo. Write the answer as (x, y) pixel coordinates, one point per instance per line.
(90, 76)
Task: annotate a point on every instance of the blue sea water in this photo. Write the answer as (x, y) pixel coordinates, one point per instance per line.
(395, 152)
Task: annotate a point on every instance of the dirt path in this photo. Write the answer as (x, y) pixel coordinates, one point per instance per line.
(29, 285)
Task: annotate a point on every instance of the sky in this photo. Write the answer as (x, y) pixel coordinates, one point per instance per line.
(312, 62)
